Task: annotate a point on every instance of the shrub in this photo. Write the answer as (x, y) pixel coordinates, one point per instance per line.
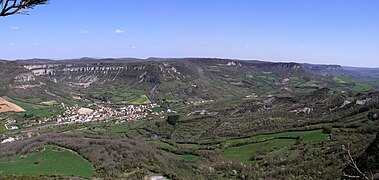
(327, 129)
(373, 115)
(172, 119)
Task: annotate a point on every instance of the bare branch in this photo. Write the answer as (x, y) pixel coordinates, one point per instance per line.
(352, 162)
(10, 7)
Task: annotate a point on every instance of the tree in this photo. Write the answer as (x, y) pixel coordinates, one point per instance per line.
(10, 7)
(172, 119)
(373, 115)
(327, 129)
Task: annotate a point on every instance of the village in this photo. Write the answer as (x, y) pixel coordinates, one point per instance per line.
(98, 112)
(92, 112)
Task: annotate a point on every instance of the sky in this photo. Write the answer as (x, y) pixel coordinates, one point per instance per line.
(344, 32)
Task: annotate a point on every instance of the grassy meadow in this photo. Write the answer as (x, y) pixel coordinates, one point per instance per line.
(47, 162)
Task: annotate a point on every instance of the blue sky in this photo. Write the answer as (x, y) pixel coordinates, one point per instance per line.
(315, 31)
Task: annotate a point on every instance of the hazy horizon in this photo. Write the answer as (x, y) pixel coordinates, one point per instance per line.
(147, 58)
(318, 32)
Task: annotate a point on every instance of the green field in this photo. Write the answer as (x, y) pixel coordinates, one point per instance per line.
(2, 127)
(313, 135)
(115, 93)
(271, 143)
(142, 99)
(50, 103)
(245, 152)
(294, 79)
(172, 149)
(163, 145)
(48, 162)
(188, 157)
(37, 110)
(121, 128)
(25, 105)
(133, 133)
(343, 80)
(169, 96)
(360, 86)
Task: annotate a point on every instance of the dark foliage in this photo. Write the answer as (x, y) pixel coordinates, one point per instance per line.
(367, 162)
(373, 115)
(172, 119)
(110, 155)
(10, 7)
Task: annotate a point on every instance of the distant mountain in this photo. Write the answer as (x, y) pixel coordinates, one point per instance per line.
(370, 75)
(178, 78)
(360, 69)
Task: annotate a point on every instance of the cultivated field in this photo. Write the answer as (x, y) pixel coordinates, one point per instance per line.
(271, 145)
(6, 106)
(47, 162)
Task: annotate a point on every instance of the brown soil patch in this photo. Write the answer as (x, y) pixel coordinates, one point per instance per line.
(85, 111)
(6, 106)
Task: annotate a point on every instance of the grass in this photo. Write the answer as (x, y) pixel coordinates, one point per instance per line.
(304, 89)
(192, 145)
(50, 103)
(294, 79)
(39, 111)
(244, 153)
(188, 157)
(142, 99)
(360, 87)
(343, 80)
(133, 133)
(269, 142)
(65, 163)
(2, 127)
(116, 93)
(313, 135)
(121, 128)
(28, 106)
(158, 109)
(169, 96)
(172, 149)
(164, 146)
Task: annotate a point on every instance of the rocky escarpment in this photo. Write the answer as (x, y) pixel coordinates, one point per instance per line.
(85, 74)
(185, 77)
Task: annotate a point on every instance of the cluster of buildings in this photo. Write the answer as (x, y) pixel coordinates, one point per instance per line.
(75, 114)
(10, 139)
(199, 102)
(134, 112)
(99, 112)
(94, 112)
(202, 113)
(9, 125)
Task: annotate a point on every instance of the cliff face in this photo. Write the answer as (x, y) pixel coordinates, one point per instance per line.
(322, 68)
(185, 78)
(37, 78)
(161, 70)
